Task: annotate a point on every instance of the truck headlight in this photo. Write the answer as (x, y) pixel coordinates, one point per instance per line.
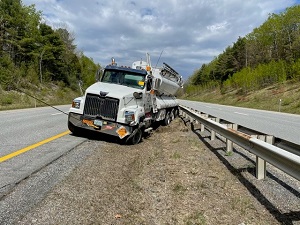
(129, 116)
(76, 104)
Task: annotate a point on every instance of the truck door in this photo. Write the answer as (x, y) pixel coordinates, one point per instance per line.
(148, 100)
(151, 97)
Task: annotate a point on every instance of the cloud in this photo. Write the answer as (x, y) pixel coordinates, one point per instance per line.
(188, 33)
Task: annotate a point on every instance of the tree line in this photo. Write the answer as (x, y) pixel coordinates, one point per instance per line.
(268, 55)
(32, 52)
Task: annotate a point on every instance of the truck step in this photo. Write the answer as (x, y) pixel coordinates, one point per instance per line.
(148, 129)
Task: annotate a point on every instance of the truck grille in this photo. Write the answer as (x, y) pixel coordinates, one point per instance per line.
(106, 108)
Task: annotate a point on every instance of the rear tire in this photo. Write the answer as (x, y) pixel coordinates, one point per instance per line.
(176, 112)
(172, 114)
(167, 119)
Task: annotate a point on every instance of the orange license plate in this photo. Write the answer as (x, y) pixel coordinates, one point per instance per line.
(88, 122)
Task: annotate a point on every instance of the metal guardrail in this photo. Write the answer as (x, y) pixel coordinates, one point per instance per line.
(285, 160)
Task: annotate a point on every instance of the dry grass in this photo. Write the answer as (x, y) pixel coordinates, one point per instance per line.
(50, 94)
(282, 97)
(158, 181)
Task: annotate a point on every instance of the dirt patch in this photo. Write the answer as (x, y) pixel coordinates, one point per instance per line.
(169, 178)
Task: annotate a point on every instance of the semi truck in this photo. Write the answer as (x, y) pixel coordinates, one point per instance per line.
(127, 102)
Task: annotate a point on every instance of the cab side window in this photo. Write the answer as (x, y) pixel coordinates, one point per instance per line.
(106, 77)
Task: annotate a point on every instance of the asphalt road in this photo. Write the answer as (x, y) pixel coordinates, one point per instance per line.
(25, 127)
(281, 125)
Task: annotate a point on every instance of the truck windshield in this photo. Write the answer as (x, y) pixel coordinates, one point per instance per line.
(125, 78)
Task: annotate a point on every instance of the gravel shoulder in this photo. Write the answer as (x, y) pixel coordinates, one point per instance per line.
(171, 177)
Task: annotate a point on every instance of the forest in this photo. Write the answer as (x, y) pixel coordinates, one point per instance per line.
(34, 53)
(269, 54)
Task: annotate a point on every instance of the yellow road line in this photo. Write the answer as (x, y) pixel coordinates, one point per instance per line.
(23, 150)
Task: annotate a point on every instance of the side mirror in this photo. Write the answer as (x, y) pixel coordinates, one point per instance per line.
(137, 95)
(98, 75)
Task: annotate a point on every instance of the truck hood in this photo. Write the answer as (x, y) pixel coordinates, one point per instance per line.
(112, 90)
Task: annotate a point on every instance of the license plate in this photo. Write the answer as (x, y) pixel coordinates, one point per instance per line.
(98, 123)
(88, 122)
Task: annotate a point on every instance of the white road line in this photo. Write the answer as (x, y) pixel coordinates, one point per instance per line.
(244, 114)
(55, 114)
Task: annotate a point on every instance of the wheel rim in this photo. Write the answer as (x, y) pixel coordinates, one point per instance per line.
(173, 115)
(168, 119)
(176, 112)
(137, 137)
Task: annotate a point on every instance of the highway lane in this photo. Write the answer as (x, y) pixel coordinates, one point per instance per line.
(25, 127)
(282, 125)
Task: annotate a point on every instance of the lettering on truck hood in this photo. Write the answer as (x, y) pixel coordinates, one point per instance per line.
(112, 90)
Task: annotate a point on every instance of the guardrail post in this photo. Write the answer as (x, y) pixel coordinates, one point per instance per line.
(202, 128)
(212, 132)
(260, 168)
(197, 112)
(192, 119)
(229, 143)
(229, 146)
(261, 165)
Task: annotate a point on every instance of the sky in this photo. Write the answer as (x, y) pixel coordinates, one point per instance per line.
(182, 33)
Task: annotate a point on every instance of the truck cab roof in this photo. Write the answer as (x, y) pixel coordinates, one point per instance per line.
(128, 69)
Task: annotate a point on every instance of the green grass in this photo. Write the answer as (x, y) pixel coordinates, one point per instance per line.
(176, 155)
(197, 218)
(283, 97)
(229, 153)
(36, 97)
(241, 204)
(179, 188)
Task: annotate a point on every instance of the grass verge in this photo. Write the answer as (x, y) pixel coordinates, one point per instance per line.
(282, 97)
(47, 93)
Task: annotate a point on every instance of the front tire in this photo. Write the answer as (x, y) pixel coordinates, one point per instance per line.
(75, 130)
(136, 138)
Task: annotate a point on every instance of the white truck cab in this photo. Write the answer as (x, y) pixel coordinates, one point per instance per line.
(126, 101)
